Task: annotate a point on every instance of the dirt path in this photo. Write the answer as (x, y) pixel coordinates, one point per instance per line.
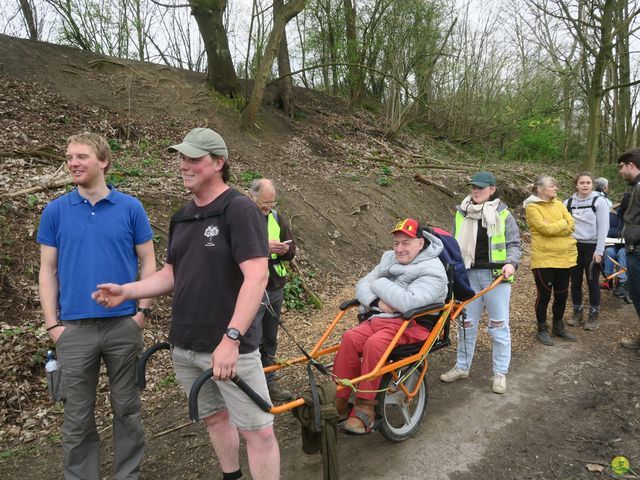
(566, 406)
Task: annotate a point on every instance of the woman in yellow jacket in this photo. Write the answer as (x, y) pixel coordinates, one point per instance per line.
(553, 253)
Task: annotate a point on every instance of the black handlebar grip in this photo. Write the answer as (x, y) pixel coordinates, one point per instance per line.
(142, 363)
(206, 375)
(193, 394)
(252, 394)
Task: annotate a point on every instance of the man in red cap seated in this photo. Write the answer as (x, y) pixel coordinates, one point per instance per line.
(407, 277)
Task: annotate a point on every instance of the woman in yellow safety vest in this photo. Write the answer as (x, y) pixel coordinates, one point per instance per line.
(490, 244)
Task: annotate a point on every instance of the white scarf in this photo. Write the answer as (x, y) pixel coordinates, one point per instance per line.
(488, 212)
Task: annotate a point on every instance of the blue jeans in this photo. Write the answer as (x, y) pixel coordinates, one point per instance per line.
(497, 303)
(619, 254)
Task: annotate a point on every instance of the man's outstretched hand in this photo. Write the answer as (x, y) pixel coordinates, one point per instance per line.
(109, 295)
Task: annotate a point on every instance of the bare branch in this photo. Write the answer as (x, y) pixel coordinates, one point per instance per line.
(170, 6)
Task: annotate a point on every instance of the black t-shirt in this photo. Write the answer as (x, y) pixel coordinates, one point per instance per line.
(482, 247)
(205, 255)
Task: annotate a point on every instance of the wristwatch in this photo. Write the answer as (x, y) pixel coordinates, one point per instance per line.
(146, 311)
(233, 333)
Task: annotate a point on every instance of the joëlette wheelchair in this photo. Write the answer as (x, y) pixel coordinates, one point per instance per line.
(612, 280)
(402, 395)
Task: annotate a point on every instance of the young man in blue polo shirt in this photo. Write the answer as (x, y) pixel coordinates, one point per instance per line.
(92, 234)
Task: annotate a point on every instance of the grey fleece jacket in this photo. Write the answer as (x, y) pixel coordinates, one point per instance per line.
(404, 287)
(591, 227)
(512, 235)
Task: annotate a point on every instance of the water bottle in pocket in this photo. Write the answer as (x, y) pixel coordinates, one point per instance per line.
(54, 376)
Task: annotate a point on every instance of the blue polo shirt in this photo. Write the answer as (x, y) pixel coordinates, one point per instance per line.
(96, 244)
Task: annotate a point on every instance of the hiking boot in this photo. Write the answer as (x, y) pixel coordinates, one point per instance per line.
(558, 330)
(592, 321)
(633, 343)
(278, 394)
(454, 374)
(576, 319)
(544, 338)
(562, 333)
(621, 290)
(499, 383)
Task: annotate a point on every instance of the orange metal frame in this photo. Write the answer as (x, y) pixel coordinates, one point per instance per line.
(620, 270)
(450, 311)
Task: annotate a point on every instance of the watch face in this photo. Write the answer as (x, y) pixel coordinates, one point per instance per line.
(233, 334)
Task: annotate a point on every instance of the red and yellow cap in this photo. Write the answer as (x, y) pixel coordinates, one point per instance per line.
(408, 226)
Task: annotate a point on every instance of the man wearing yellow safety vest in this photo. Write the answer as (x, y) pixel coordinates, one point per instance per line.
(490, 244)
(282, 247)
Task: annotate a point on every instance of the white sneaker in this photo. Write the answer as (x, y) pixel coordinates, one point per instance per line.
(454, 374)
(499, 383)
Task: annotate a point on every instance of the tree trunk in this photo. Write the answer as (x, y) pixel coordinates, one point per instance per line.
(285, 84)
(624, 119)
(29, 19)
(220, 72)
(352, 51)
(595, 91)
(288, 11)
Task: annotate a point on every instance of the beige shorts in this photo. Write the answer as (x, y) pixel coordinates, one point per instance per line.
(216, 396)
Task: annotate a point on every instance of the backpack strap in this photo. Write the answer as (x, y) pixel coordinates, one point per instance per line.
(180, 216)
(592, 206)
(569, 202)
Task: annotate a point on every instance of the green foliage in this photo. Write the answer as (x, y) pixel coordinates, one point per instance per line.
(54, 438)
(32, 201)
(538, 139)
(11, 332)
(299, 114)
(237, 102)
(294, 295)
(132, 172)
(168, 381)
(114, 144)
(39, 357)
(385, 179)
(116, 178)
(144, 144)
(249, 176)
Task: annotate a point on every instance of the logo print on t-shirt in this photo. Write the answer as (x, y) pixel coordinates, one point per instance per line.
(211, 232)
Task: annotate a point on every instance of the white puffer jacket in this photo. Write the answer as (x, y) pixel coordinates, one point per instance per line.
(404, 287)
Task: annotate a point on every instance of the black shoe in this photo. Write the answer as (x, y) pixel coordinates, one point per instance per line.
(543, 337)
(621, 290)
(564, 335)
(278, 394)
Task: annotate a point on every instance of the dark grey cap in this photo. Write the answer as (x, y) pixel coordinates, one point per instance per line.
(200, 142)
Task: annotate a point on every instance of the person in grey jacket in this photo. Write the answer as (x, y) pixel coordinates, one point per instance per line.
(407, 277)
(489, 240)
(590, 212)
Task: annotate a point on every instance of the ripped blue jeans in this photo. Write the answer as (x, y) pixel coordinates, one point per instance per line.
(497, 303)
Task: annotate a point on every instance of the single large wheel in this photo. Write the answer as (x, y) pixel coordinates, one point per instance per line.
(400, 418)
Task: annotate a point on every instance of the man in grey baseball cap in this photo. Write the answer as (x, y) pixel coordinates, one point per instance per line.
(217, 268)
(200, 142)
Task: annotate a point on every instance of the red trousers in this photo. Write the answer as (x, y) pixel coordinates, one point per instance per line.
(369, 340)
